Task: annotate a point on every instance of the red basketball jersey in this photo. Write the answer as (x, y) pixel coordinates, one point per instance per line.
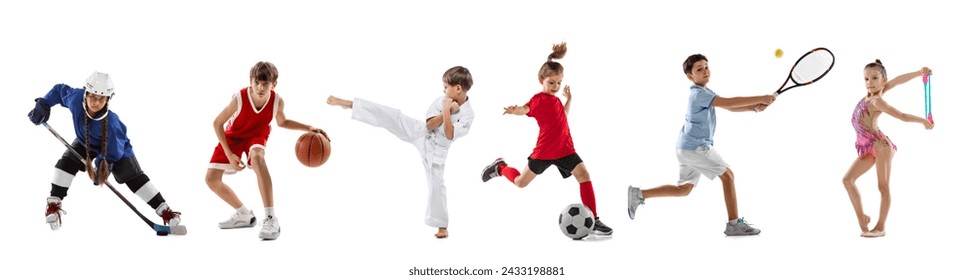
(248, 121)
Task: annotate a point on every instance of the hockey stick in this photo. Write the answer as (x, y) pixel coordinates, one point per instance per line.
(160, 230)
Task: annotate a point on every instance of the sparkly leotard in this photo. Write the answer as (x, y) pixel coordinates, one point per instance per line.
(865, 138)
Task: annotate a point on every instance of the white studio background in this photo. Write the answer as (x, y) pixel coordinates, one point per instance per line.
(175, 66)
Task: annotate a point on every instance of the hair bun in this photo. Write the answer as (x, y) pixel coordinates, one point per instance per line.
(879, 62)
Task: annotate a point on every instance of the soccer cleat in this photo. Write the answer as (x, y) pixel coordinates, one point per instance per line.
(240, 220)
(601, 229)
(493, 170)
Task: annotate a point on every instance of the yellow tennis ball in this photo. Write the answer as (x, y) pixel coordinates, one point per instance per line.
(778, 53)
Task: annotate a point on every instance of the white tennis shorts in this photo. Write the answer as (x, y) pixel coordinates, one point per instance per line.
(702, 161)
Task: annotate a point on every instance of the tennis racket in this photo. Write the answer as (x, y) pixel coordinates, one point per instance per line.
(926, 97)
(809, 68)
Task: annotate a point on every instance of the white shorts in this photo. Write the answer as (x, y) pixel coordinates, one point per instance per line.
(702, 161)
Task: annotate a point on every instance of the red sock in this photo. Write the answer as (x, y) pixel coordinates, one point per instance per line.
(510, 173)
(588, 196)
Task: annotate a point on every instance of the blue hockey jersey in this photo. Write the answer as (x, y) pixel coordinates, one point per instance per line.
(73, 99)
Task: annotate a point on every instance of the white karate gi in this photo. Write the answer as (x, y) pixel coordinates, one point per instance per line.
(433, 146)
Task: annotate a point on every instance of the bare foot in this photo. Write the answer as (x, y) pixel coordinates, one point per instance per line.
(442, 233)
(874, 233)
(335, 101)
(864, 223)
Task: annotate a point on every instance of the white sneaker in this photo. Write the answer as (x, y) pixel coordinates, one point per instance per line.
(635, 198)
(740, 227)
(240, 220)
(53, 213)
(271, 229)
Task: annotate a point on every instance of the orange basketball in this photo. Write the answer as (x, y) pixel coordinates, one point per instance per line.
(312, 149)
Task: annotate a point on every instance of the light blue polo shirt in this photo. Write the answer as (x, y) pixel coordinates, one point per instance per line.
(701, 120)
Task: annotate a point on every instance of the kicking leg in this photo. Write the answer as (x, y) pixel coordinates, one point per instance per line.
(392, 119)
(519, 179)
(500, 168)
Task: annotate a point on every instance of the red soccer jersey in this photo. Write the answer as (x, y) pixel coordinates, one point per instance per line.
(554, 136)
(248, 122)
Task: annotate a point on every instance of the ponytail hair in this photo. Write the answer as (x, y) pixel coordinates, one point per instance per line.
(551, 67)
(877, 64)
(103, 171)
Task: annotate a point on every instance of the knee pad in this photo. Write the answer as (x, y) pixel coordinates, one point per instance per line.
(127, 169)
(70, 165)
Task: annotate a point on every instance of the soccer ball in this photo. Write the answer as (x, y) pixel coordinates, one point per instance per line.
(576, 221)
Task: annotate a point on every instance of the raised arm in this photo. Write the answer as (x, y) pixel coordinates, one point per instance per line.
(568, 98)
(905, 78)
(448, 128)
(433, 122)
(434, 115)
(443, 118)
(884, 107)
(57, 95)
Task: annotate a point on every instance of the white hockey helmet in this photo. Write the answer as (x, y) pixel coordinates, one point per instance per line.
(100, 84)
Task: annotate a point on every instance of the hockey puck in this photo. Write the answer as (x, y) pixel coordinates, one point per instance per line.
(162, 233)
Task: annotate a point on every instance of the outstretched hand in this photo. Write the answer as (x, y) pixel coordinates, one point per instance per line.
(510, 109)
(568, 92)
(335, 101)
